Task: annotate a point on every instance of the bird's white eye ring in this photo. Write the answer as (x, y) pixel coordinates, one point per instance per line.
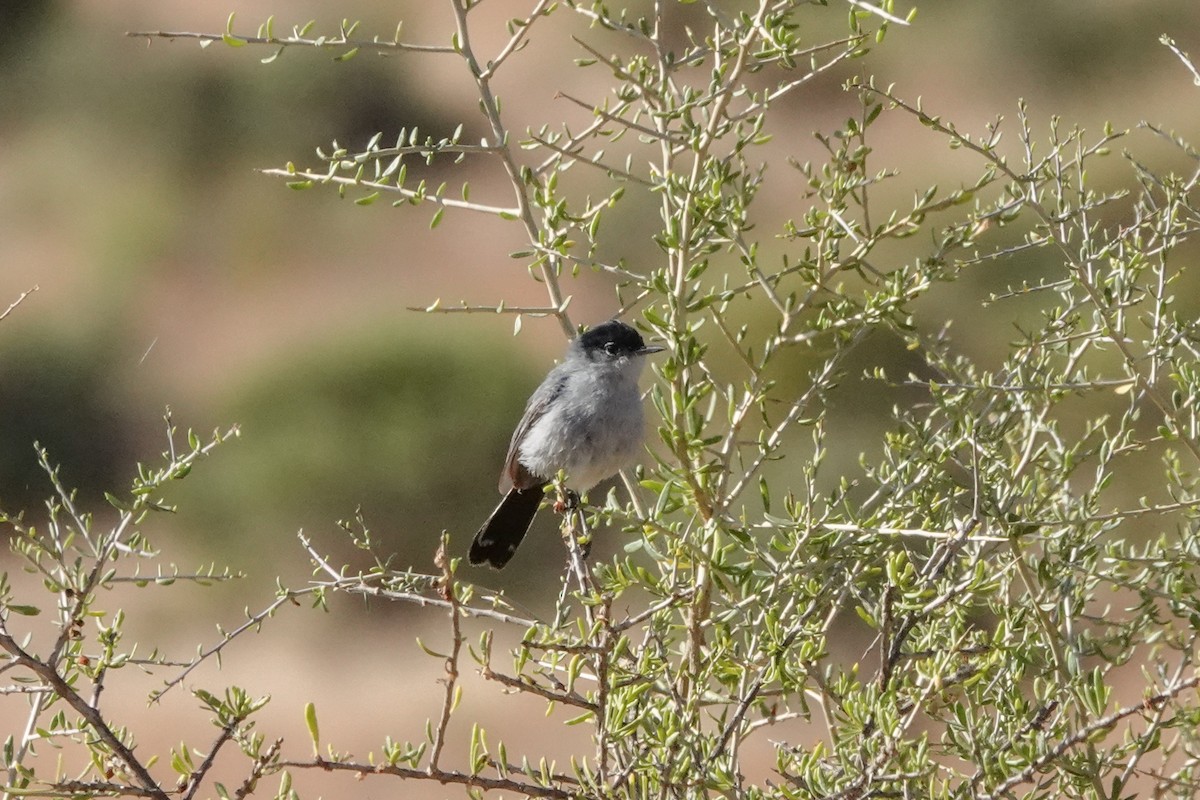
(610, 348)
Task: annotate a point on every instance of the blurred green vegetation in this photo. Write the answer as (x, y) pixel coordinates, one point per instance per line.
(63, 393)
(129, 194)
(403, 424)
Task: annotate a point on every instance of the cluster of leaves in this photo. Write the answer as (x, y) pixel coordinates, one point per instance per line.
(999, 603)
(980, 562)
(63, 661)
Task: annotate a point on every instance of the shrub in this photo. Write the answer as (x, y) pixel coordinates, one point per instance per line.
(1001, 598)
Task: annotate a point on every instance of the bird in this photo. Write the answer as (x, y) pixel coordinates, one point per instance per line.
(585, 419)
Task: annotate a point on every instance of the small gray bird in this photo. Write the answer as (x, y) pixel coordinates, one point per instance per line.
(585, 419)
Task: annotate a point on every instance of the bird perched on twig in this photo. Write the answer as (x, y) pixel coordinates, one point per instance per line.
(585, 420)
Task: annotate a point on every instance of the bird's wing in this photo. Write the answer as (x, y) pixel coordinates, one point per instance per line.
(515, 474)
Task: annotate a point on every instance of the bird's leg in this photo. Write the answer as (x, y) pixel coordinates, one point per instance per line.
(575, 536)
(566, 499)
(567, 502)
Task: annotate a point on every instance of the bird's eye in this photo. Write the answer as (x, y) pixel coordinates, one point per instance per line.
(610, 348)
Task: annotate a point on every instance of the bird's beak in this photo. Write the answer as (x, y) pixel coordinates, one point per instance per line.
(648, 349)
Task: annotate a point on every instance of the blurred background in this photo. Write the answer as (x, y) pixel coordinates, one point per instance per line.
(172, 273)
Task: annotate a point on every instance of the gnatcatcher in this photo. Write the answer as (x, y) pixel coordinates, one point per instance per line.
(585, 419)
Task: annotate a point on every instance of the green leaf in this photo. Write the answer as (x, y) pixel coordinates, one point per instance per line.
(310, 720)
(866, 616)
(25, 611)
(116, 502)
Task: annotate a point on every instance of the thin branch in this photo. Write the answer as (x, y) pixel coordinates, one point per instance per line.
(524, 212)
(876, 10)
(1084, 734)
(254, 621)
(566, 698)
(886, 530)
(442, 560)
(444, 777)
(258, 769)
(167, 580)
(425, 150)
(1182, 56)
(436, 307)
(573, 142)
(322, 42)
(576, 156)
(90, 789)
(195, 779)
(633, 126)
(652, 609)
(362, 584)
(1114, 383)
(760, 105)
(410, 194)
(18, 301)
(50, 677)
(515, 43)
(35, 689)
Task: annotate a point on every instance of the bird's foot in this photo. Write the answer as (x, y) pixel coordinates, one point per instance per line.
(567, 500)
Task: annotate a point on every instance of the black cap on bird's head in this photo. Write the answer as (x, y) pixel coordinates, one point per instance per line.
(613, 339)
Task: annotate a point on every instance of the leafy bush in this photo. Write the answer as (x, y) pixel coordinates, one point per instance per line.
(1000, 600)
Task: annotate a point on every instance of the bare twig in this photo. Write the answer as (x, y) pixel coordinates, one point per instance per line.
(410, 194)
(444, 777)
(442, 561)
(491, 110)
(253, 622)
(196, 778)
(321, 42)
(516, 42)
(569, 698)
(90, 789)
(1182, 56)
(17, 302)
(436, 307)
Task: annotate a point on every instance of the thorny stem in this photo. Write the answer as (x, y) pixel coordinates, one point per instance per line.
(380, 186)
(550, 265)
(1080, 265)
(442, 560)
(681, 264)
(445, 777)
(253, 622)
(195, 779)
(74, 599)
(1084, 734)
(294, 41)
(51, 678)
(603, 662)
